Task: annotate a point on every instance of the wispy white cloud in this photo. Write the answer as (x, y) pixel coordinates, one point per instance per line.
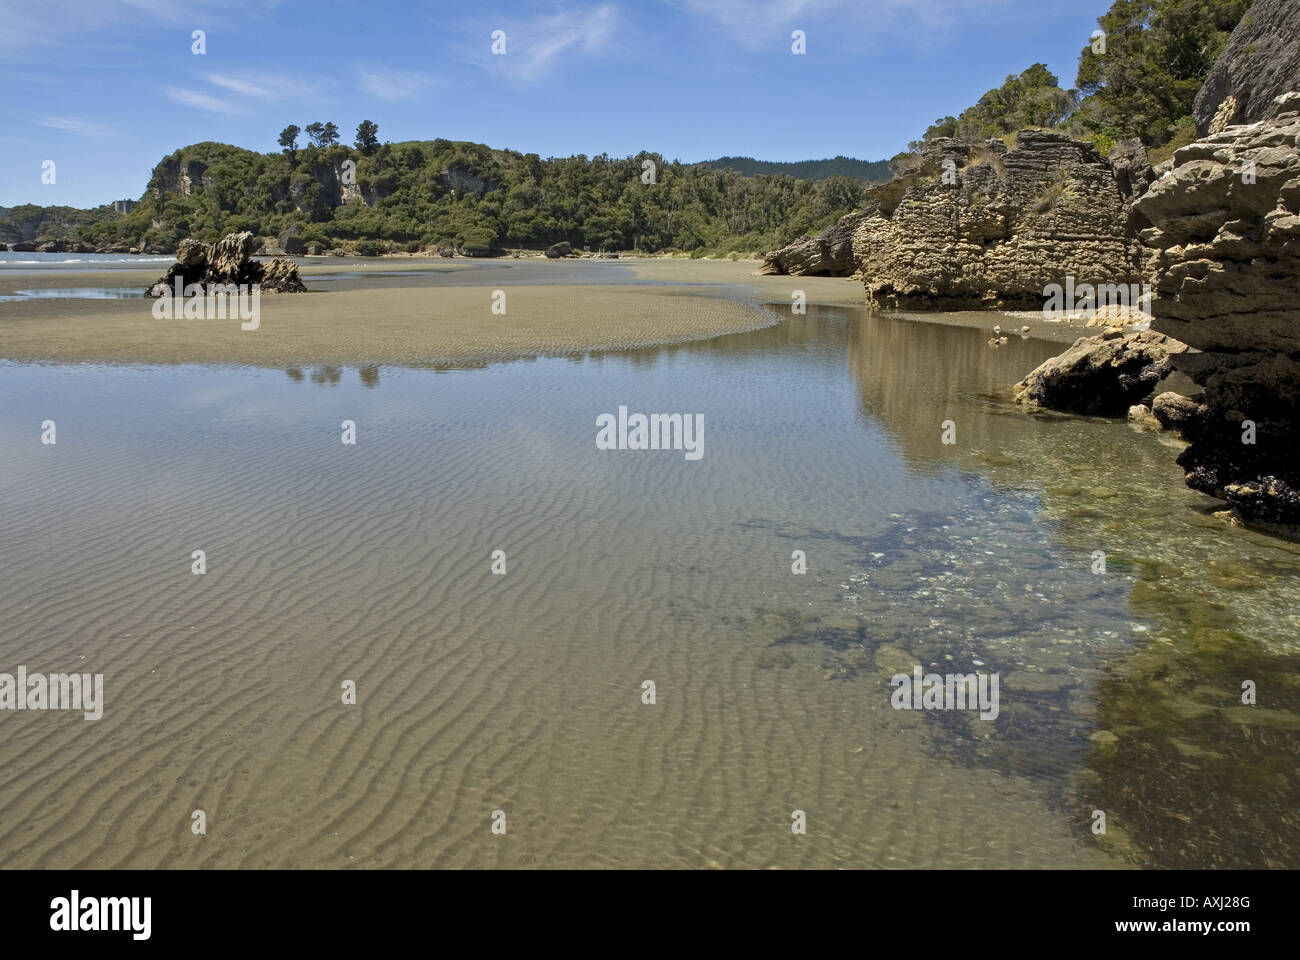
(263, 86)
(81, 126)
(542, 44)
(200, 101)
(394, 84)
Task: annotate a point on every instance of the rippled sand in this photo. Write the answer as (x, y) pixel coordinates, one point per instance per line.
(522, 692)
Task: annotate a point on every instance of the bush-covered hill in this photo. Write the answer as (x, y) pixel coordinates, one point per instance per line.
(444, 194)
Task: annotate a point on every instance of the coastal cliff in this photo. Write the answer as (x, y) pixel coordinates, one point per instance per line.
(1226, 220)
(985, 225)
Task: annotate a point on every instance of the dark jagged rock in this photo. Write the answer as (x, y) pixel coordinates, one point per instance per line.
(829, 254)
(1260, 62)
(1226, 220)
(1101, 376)
(281, 276)
(228, 261)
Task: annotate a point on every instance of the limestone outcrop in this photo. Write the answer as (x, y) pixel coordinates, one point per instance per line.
(971, 226)
(1226, 222)
(1260, 63)
(228, 261)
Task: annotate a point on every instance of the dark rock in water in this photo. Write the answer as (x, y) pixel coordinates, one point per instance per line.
(1226, 223)
(1101, 376)
(53, 246)
(1176, 412)
(1267, 498)
(4, 247)
(829, 254)
(228, 261)
(23, 246)
(1260, 62)
(557, 250)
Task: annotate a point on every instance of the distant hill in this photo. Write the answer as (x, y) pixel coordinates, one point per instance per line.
(870, 170)
(451, 195)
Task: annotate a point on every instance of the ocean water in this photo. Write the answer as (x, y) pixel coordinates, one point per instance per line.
(524, 692)
(16, 260)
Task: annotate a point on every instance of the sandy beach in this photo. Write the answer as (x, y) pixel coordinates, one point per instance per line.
(427, 312)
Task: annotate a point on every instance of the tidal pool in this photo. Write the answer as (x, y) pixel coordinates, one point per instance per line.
(522, 692)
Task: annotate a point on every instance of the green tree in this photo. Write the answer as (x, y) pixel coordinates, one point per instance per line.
(289, 139)
(1033, 98)
(1141, 78)
(367, 136)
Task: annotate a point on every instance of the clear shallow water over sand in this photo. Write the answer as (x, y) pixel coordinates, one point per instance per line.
(523, 692)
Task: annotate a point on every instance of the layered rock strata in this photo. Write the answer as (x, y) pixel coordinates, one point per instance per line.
(1226, 222)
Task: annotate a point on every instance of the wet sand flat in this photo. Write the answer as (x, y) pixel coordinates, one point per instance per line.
(404, 325)
(431, 311)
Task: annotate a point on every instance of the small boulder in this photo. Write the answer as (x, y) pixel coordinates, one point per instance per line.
(1102, 375)
(1176, 412)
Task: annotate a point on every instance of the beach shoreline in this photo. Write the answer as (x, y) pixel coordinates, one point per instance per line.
(432, 312)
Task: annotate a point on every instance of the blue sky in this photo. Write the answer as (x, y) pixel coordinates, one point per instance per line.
(106, 88)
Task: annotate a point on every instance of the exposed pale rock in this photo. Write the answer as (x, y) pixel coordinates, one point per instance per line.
(1177, 412)
(1227, 226)
(229, 260)
(984, 225)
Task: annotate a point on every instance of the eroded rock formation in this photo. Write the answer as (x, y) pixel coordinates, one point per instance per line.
(229, 260)
(984, 225)
(829, 254)
(1226, 220)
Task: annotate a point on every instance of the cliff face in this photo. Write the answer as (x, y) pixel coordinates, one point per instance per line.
(1260, 63)
(981, 225)
(1226, 221)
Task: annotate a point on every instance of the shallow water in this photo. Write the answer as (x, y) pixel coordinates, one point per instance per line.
(523, 692)
(79, 293)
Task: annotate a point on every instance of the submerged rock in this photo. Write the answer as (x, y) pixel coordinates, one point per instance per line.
(228, 261)
(1102, 376)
